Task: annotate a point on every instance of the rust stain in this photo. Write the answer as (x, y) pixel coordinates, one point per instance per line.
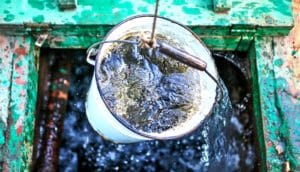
(269, 144)
(3, 42)
(19, 125)
(23, 93)
(51, 106)
(19, 70)
(22, 106)
(5, 167)
(20, 81)
(295, 32)
(20, 51)
(19, 130)
(60, 95)
(66, 82)
(292, 60)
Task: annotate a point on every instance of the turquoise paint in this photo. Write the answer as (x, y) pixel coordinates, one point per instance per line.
(278, 62)
(143, 9)
(281, 83)
(162, 13)
(199, 12)
(294, 52)
(261, 11)
(251, 5)
(178, 2)
(2, 136)
(266, 100)
(51, 5)
(38, 18)
(149, 1)
(284, 7)
(288, 122)
(38, 4)
(278, 108)
(9, 17)
(222, 21)
(6, 67)
(190, 10)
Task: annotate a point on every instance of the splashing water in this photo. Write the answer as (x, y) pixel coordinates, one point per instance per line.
(218, 145)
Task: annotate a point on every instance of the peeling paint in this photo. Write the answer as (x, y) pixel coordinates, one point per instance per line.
(20, 81)
(280, 110)
(38, 18)
(17, 102)
(254, 12)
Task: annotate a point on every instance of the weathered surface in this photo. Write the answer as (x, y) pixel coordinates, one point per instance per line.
(287, 75)
(222, 5)
(91, 20)
(107, 12)
(54, 82)
(277, 100)
(5, 84)
(18, 87)
(67, 4)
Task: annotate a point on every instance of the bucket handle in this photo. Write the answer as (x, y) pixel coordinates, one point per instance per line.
(93, 51)
(89, 60)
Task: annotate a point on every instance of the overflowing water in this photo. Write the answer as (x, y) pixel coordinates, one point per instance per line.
(151, 92)
(224, 142)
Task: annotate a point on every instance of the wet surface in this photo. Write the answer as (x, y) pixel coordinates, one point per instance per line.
(225, 141)
(54, 82)
(151, 92)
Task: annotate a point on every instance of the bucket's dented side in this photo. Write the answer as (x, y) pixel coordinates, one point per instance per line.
(104, 122)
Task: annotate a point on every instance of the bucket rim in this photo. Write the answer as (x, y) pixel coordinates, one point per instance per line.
(120, 119)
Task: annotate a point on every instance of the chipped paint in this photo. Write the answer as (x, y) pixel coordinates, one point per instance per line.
(112, 12)
(17, 106)
(5, 83)
(279, 106)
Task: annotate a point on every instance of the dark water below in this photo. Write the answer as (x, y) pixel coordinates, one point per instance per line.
(151, 92)
(223, 143)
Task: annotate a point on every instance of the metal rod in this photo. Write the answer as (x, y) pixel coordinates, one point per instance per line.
(188, 59)
(154, 23)
(181, 55)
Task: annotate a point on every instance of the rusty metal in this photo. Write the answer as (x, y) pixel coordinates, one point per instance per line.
(41, 107)
(152, 39)
(181, 56)
(51, 112)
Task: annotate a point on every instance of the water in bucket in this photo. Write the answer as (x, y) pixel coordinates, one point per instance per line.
(150, 90)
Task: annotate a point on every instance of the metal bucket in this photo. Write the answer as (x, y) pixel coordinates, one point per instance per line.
(110, 125)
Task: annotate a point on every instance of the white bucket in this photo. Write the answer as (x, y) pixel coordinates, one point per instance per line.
(108, 124)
